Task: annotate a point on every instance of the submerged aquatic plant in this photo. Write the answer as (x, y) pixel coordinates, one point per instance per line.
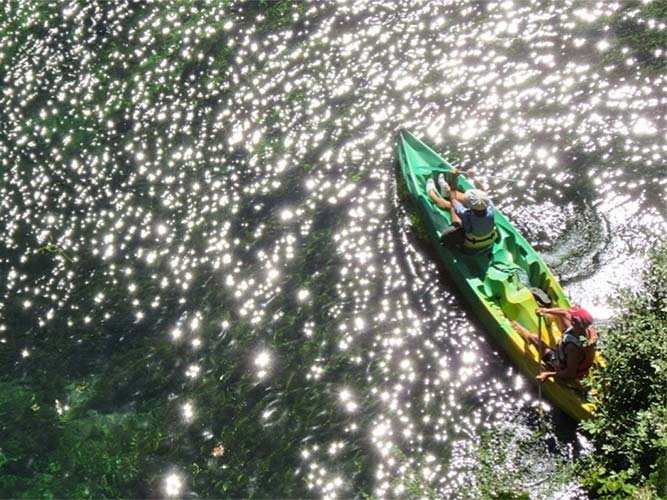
(200, 249)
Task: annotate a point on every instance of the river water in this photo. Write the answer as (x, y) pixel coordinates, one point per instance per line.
(209, 283)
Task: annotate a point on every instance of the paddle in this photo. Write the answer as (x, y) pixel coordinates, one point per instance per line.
(539, 348)
(507, 179)
(440, 168)
(542, 300)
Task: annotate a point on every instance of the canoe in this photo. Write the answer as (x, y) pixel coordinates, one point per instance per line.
(499, 283)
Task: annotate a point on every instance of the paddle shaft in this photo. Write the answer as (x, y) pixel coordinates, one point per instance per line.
(447, 169)
(507, 179)
(539, 349)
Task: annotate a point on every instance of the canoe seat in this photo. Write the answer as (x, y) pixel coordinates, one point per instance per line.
(534, 274)
(520, 256)
(514, 299)
(510, 243)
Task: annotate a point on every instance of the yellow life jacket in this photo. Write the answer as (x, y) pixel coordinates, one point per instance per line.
(476, 242)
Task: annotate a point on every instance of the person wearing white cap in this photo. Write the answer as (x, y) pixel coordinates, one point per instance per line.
(472, 214)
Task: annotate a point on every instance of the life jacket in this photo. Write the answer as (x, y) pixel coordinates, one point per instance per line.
(473, 222)
(589, 350)
(477, 242)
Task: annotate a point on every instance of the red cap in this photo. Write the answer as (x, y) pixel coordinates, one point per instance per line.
(581, 314)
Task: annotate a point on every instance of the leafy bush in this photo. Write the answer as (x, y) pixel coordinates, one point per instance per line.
(629, 429)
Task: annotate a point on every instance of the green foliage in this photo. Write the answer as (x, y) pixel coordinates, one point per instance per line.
(27, 427)
(118, 427)
(511, 460)
(414, 484)
(74, 453)
(499, 468)
(279, 13)
(629, 429)
(17, 20)
(106, 453)
(508, 462)
(630, 25)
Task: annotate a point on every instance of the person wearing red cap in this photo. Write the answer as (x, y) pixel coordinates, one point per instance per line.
(573, 356)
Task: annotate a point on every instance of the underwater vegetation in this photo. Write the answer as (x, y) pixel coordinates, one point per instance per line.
(210, 284)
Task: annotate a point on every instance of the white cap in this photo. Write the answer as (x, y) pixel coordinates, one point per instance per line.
(476, 199)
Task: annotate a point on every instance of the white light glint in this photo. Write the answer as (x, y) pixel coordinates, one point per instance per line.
(188, 412)
(602, 45)
(469, 357)
(644, 127)
(286, 214)
(173, 485)
(193, 371)
(263, 359)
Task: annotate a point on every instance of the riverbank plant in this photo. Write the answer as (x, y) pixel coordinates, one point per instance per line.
(629, 430)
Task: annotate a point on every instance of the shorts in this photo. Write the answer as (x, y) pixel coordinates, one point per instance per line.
(453, 235)
(550, 358)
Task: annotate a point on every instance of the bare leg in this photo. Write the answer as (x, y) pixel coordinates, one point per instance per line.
(531, 337)
(444, 203)
(453, 193)
(448, 193)
(438, 200)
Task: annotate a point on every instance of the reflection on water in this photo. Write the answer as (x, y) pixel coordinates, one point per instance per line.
(173, 485)
(200, 226)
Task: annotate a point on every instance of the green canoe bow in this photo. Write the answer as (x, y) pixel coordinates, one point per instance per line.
(490, 281)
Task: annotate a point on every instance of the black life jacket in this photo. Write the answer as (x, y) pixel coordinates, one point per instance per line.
(589, 354)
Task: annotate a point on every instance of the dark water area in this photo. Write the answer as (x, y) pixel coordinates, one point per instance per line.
(210, 285)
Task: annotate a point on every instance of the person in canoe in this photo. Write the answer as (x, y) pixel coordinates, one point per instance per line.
(573, 356)
(472, 213)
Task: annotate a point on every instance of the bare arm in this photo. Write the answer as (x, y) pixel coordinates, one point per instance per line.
(556, 312)
(574, 357)
(452, 211)
(471, 175)
(455, 179)
(552, 311)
